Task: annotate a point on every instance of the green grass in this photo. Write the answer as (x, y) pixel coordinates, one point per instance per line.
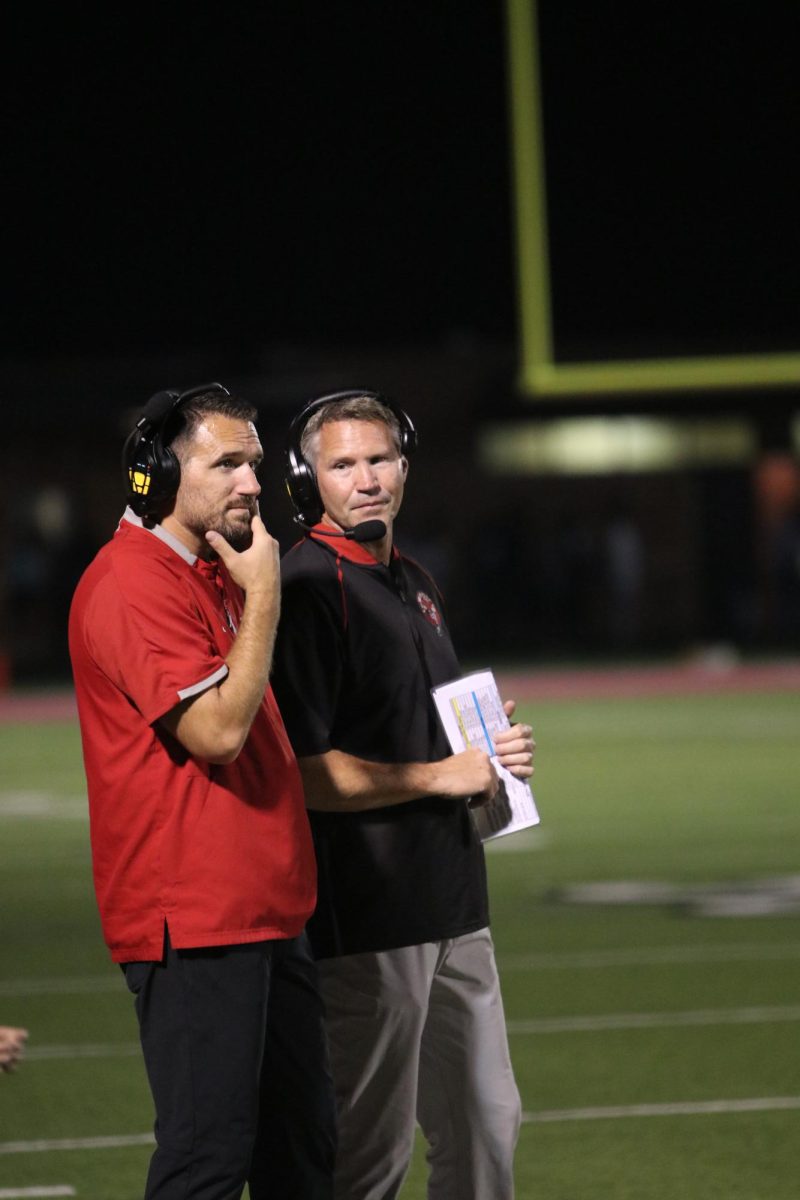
(687, 791)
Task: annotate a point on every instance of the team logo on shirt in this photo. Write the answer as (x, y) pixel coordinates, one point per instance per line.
(430, 611)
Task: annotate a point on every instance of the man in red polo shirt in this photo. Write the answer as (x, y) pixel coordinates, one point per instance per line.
(202, 856)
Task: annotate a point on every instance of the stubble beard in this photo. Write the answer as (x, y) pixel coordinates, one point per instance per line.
(237, 530)
(238, 535)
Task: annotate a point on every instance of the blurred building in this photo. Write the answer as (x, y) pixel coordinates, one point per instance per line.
(554, 537)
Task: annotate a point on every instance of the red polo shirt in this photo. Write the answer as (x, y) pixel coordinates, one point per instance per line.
(223, 854)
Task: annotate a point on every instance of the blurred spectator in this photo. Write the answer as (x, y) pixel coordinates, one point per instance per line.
(623, 547)
(48, 549)
(572, 581)
(786, 575)
(777, 498)
(501, 558)
(431, 552)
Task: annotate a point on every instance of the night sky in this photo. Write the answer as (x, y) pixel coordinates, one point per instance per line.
(233, 175)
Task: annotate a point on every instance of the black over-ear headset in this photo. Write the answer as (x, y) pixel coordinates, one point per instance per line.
(301, 482)
(151, 470)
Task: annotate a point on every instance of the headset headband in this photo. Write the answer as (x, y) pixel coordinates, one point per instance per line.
(151, 471)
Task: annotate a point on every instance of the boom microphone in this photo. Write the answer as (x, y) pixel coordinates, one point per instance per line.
(367, 531)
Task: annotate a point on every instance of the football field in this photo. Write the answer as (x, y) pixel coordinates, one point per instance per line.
(648, 937)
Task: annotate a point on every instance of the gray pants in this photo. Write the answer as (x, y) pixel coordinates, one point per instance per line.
(419, 1034)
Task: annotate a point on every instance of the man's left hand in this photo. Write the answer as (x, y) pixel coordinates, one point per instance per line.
(515, 746)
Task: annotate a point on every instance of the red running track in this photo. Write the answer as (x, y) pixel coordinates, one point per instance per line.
(689, 678)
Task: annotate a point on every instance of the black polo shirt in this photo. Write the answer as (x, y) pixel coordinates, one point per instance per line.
(359, 647)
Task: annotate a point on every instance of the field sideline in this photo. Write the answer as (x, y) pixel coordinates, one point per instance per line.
(655, 1045)
(578, 683)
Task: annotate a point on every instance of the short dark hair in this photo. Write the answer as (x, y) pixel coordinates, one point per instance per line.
(206, 404)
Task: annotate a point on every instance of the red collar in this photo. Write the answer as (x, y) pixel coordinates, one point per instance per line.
(343, 547)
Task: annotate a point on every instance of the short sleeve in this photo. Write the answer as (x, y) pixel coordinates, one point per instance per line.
(149, 634)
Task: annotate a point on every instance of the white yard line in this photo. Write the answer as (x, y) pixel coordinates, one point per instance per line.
(547, 1116)
(44, 1145)
(756, 1015)
(20, 1193)
(763, 1015)
(648, 956)
(65, 986)
(689, 1109)
(38, 806)
(85, 1050)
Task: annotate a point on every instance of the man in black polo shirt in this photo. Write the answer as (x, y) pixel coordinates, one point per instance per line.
(414, 1013)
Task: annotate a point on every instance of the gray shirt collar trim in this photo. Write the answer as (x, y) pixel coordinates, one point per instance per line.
(163, 535)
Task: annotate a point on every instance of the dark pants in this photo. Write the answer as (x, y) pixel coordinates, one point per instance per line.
(235, 1053)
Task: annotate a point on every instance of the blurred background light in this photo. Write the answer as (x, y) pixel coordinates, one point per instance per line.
(605, 445)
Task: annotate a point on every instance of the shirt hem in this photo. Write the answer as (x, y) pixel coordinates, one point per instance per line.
(378, 945)
(153, 951)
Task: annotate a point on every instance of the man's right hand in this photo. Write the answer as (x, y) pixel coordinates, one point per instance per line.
(258, 567)
(470, 773)
(214, 725)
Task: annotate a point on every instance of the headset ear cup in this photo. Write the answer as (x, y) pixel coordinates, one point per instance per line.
(167, 473)
(151, 472)
(408, 434)
(136, 473)
(302, 488)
